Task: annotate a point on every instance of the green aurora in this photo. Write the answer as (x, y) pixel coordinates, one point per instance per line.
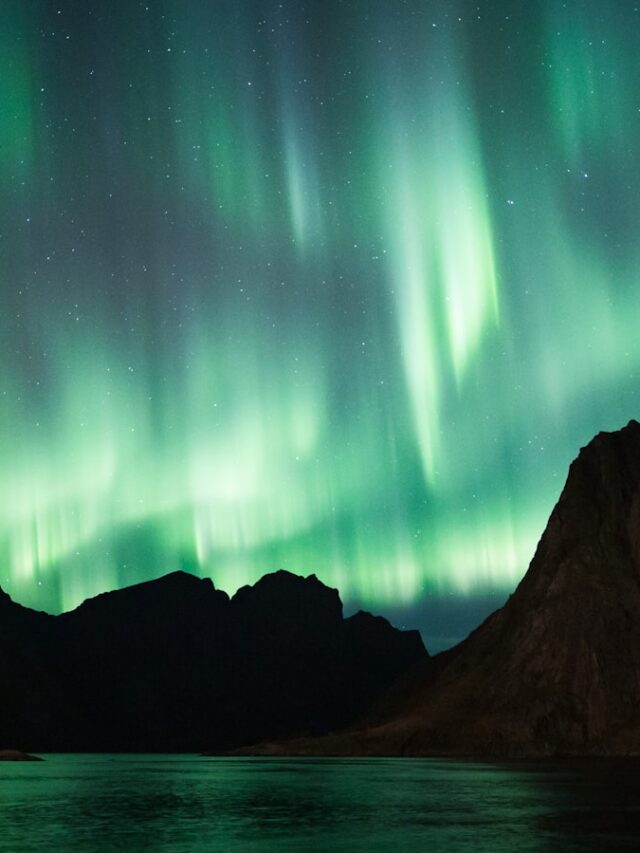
(337, 287)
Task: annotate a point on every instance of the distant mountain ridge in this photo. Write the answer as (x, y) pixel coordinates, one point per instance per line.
(174, 664)
(556, 671)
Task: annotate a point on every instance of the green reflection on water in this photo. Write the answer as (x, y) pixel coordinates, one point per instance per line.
(176, 803)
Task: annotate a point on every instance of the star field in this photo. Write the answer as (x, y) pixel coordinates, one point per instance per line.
(334, 287)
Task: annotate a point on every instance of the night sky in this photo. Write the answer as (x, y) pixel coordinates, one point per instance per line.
(338, 287)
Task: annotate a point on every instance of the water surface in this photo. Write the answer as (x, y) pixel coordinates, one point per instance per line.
(187, 803)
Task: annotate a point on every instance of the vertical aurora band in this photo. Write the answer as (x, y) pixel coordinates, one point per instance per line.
(338, 289)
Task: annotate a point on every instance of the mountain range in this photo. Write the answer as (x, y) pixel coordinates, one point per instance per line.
(176, 665)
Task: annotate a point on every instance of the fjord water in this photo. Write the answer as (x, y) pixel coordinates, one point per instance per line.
(189, 803)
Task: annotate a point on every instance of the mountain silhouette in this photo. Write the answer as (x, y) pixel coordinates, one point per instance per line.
(174, 664)
(556, 671)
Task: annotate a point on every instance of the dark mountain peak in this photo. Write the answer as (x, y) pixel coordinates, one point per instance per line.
(363, 617)
(13, 613)
(173, 664)
(177, 581)
(282, 580)
(594, 529)
(177, 590)
(182, 578)
(610, 459)
(629, 432)
(283, 593)
(557, 669)
(379, 635)
(363, 620)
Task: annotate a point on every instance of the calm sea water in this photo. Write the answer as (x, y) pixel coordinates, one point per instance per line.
(187, 803)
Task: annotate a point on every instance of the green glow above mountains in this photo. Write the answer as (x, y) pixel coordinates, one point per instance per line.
(338, 289)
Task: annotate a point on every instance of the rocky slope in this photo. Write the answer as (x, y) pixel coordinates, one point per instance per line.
(556, 671)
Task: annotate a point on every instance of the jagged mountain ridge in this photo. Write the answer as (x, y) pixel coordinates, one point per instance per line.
(174, 664)
(556, 671)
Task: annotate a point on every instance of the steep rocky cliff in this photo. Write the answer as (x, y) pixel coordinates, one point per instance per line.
(557, 669)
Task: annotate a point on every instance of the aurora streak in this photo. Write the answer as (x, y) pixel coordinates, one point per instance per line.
(338, 288)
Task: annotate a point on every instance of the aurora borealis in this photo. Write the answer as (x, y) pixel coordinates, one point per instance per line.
(335, 287)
